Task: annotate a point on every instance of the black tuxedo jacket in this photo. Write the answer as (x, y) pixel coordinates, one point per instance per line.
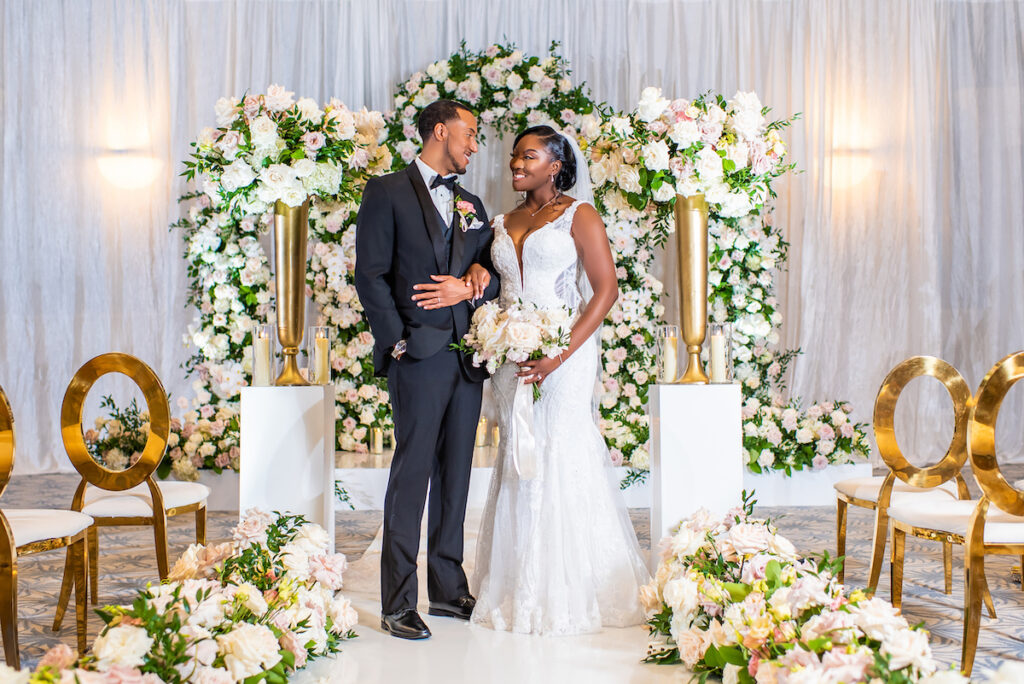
(400, 243)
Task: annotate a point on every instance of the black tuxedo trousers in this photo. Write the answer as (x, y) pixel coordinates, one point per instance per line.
(436, 410)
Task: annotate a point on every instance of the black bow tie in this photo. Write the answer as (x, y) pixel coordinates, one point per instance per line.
(447, 181)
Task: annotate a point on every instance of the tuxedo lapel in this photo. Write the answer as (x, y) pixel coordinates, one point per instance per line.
(459, 237)
(429, 212)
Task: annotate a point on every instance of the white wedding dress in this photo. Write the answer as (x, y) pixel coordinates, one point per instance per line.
(557, 554)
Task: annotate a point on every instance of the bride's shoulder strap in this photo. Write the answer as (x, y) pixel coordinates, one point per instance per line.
(570, 212)
(498, 221)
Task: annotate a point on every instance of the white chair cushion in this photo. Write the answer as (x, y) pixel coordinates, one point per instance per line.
(136, 502)
(954, 516)
(867, 488)
(35, 524)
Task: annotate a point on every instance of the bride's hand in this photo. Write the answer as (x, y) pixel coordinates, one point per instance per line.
(477, 278)
(536, 371)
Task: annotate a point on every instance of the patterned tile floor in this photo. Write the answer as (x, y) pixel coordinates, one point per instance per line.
(127, 562)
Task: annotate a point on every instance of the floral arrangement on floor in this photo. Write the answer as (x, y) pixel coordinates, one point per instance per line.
(732, 599)
(639, 161)
(255, 608)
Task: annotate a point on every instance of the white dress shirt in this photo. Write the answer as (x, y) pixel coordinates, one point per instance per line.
(441, 195)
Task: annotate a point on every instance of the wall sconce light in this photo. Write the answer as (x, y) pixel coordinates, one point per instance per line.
(128, 169)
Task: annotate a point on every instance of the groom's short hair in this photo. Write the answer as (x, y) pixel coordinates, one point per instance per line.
(439, 111)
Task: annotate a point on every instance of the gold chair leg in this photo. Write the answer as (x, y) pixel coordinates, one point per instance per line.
(988, 597)
(841, 507)
(9, 610)
(973, 581)
(65, 587)
(81, 556)
(878, 549)
(160, 535)
(947, 565)
(93, 555)
(899, 538)
(201, 525)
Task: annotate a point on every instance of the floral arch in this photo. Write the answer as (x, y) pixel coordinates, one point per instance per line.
(271, 146)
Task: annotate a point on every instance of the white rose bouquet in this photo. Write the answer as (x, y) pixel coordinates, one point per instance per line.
(521, 332)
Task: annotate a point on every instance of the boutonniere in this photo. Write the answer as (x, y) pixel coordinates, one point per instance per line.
(467, 211)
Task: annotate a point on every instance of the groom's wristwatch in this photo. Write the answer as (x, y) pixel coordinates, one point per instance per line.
(398, 351)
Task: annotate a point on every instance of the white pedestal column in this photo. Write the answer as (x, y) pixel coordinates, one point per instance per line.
(696, 455)
(287, 452)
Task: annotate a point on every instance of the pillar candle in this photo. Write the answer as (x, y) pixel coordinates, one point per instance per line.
(669, 364)
(261, 360)
(495, 436)
(322, 368)
(376, 440)
(718, 373)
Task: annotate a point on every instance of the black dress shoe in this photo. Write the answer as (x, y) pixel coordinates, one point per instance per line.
(460, 608)
(405, 624)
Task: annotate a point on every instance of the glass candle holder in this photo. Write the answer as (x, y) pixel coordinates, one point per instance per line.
(319, 355)
(720, 352)
(481, 432)
(262, 355)
(667, 351)
(376, 440)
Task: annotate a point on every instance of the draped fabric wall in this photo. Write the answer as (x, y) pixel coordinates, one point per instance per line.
(905, 224)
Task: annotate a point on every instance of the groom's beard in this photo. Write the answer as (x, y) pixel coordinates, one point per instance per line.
(454, 163)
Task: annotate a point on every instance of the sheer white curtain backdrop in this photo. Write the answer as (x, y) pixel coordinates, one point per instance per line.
(906, 222)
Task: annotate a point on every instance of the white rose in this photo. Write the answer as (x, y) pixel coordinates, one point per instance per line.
(621, 126)
(628, 178)
(709, 164)
(655, 155)
(342, 614)
(227, 111)
(295, 561)
(514, 81)
(1010, 672)
(522, 336)
(954, 677)
(278, 99)
(684, 133)
(749, 538)
(308, 109)
(664, 193)
(682, 596)
(730, 675)
(312, 539)
(211, 675)
(909, 648)
(263, 131)
(652, 104)
(237, 175)
(303, 167)
(878, 619)
(248, 650)
(122, 645)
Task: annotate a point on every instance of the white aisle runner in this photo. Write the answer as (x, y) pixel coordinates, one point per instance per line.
(458, 652)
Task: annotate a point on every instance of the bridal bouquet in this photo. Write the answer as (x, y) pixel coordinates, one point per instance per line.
(522, 332)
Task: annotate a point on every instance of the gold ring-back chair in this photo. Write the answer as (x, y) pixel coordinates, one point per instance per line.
(942, 481)
(128, 497)
(993, 525)
(28, 531)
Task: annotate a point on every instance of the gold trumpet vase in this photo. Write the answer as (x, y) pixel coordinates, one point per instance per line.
(691, 215)
(291, 227)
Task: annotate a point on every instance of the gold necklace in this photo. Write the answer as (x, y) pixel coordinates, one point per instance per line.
(557, 195)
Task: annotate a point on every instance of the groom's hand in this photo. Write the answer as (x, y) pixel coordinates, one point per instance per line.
(443, 292)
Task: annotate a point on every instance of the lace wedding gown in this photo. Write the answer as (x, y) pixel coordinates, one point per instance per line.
(557, 554)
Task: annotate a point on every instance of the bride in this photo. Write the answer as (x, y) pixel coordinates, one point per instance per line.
(557, 553)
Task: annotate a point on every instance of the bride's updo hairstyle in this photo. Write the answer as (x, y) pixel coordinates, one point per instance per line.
(559, 149)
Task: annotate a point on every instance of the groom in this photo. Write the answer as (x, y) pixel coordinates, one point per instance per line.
(422, 256)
